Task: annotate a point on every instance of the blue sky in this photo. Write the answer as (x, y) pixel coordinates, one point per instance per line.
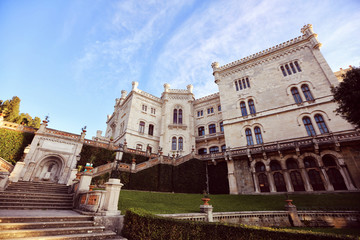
(71, 59)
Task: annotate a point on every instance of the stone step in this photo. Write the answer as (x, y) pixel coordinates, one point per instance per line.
(84, 236)
(35, 207)
(45, 219)
(36, 200)
(20, 193)
(25, 183)
(43, 225)
(27, 197)
(30, 189)
(18, 203)
(27, 233)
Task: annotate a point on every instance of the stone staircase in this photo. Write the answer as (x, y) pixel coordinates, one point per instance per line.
(54, 228)
(36, 195)
(41, 210)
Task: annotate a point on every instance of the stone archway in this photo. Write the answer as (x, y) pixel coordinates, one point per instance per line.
(49, 169)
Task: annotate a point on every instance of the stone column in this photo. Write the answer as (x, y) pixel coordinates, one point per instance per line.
(232, 179)
(287, 179)
(85, 181)
(270, 179)
(328, 185)
(294, 217)
(256, 183)
(112, 188)
(4, 179)
(307, 185)
(72, 177)
(15, 174)
(346, 177)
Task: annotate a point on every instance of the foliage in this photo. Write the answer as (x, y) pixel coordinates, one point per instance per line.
(139, 224)
(98, 155)
(11, 111)
(12, 144)
(157, 202)
(218, 178)
(347, 95)
(127, 158)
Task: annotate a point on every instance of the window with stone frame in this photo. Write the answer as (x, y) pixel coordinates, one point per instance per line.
(212, 128)
(180, 143)
(252, 106)
(249, 138)
(290, 68)
(258, 136)
(243, 109)
(141, 127)
(296, 95)
(321, 124)
(214, 149)
(307, 93)
(173, 143)
(151, 129)
(308, 126)
(201, 131)
(242, 83)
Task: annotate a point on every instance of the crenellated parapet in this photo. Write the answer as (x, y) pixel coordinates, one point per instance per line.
(207, 98)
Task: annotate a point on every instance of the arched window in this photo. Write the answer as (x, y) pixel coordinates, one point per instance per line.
(214, 149)
(173, 144)
(223, 148)
(296, 95)
(291, 164)
(243, 109)
(321, 124)
(260, 167)
(141, 127)
(221, 127)
(297, 181)
(251, 106)
(180, 117)
(305, 89)
(288, 69)
(329, 161)
(202, 151)
(309, 162)
(263, 183)
(201, 131)
(151, 129)
(275, 166)
(249, 138)
(138, 147)
(315, 180)
(212, 128)
(180, 142)
(292, 68)
(308, 126)
(175, 116)
(279, 182)
(258, 136)
(336, 179)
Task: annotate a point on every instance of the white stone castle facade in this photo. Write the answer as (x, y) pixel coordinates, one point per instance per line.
(278, 96)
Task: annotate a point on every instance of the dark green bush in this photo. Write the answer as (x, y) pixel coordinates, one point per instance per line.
(12, 144)
(139, 224)
(102, 155)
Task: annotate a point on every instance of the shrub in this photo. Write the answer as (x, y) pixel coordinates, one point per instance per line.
(12, 144)
(139, 224)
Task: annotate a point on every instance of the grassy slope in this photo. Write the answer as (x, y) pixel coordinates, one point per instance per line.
(156, 202)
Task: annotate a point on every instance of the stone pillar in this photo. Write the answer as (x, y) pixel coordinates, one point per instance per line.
(256, 183)
(4, 179)
(346, 177)
(270, 179)
(328, 185)
(16, 173)
(232, 179)
(85, 181)
(294, 217)
(72, 177)
(112, 188)
(289, 186)
(208, 209)
(304, 175)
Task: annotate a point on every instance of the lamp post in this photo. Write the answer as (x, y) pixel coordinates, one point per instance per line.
(119, 154)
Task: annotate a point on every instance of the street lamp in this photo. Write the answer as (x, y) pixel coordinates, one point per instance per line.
(118, 157)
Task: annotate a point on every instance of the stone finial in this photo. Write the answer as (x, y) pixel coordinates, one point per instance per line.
(215, 65)
(307, 29)
(123, 93)
(190, 88)
(135, 85)
(166, 87)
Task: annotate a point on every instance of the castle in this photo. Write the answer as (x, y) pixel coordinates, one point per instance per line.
(272, 121)
(271, 125)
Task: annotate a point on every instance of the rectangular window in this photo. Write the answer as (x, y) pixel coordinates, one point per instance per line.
(219, 108)
(240, 85)
(248, 82)
(243, 81)
(144, 108)
(236, 86)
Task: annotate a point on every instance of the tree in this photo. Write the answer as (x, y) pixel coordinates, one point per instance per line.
(11, 109)
(347, 95)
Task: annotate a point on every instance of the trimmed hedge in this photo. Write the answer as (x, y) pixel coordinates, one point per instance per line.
(218, 178)
(102, 155)
(139, 224)
(189, 177)
(12, 144)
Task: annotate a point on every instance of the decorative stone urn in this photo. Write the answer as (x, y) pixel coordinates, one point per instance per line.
(289, 202)
(205, 200)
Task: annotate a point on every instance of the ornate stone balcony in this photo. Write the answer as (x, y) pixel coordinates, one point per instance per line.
(335, 139)
(209, 137)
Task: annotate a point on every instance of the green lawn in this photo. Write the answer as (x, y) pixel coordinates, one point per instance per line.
(156, 202)
(339, 231)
